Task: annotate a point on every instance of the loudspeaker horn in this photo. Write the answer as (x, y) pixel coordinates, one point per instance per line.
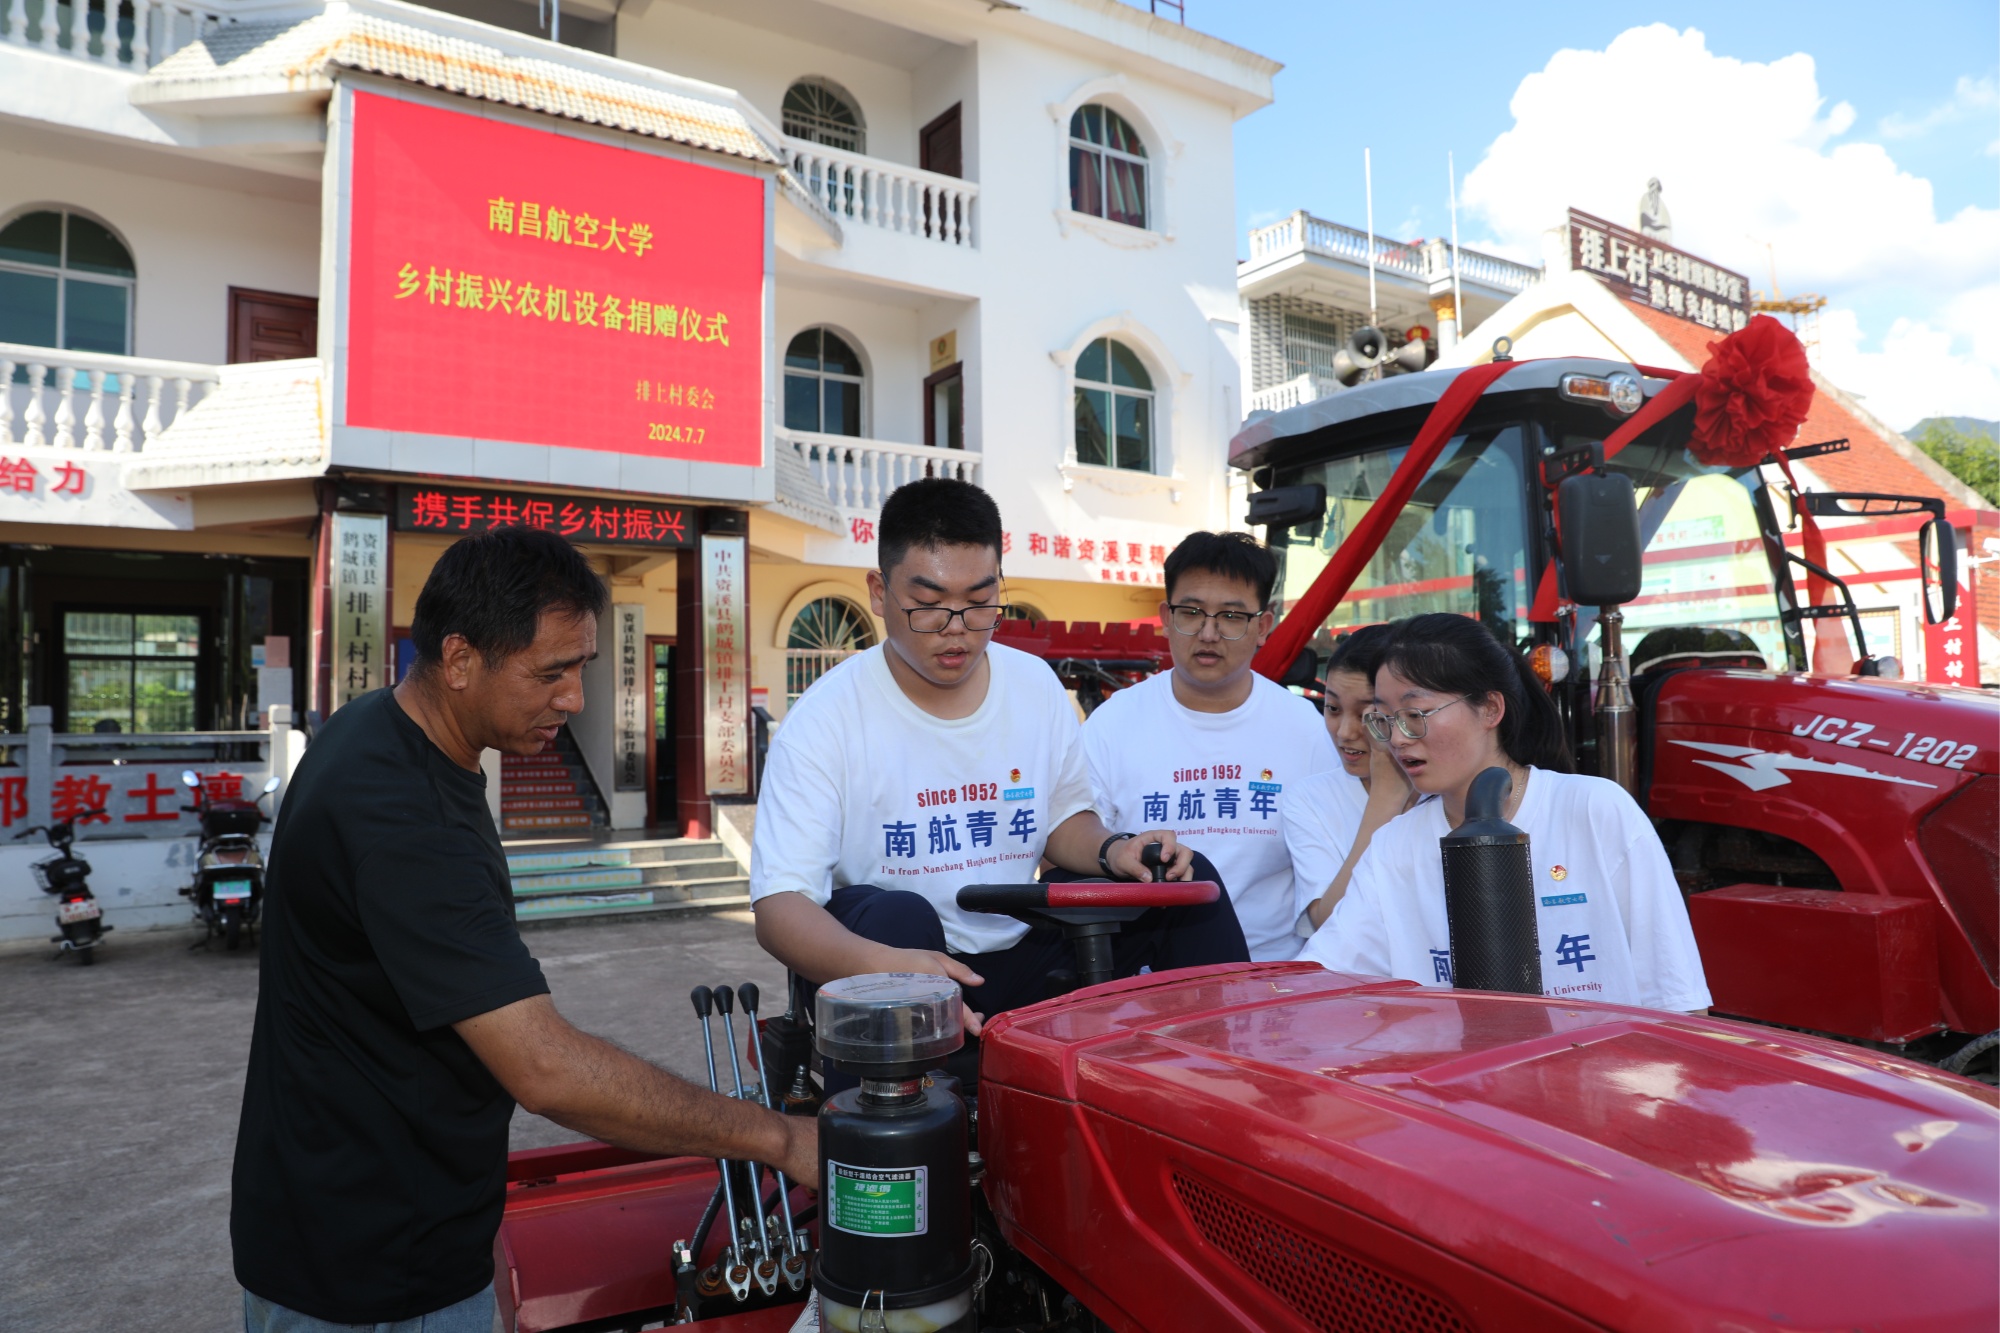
(1366, 347)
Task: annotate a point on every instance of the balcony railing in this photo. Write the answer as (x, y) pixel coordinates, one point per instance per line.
(136, 40)
(1425, 261)
(87, 400)
(859, 474)
(1302, 389)
(874, 193)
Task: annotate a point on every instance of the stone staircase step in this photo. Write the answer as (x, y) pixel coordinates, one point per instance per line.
(524, 804)
(574, 819)
(702, 894)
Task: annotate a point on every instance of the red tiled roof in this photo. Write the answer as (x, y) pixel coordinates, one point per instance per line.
(1871, 462)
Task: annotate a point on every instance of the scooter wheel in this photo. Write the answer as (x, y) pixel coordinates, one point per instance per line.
(85, 957)
(232, 930)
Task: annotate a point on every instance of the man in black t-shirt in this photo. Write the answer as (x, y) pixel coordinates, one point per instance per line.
(399, 1015)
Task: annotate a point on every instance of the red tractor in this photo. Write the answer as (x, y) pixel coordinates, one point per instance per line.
(1278, 1147)
(1836, 834)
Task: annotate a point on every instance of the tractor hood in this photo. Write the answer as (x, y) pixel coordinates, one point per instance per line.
(1869, 724)
(1278, 1146)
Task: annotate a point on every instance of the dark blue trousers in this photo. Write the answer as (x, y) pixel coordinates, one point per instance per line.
(1164, 938)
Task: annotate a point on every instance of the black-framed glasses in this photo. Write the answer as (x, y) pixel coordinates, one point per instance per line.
(1412, 722)
(937, 619)
(1231, 625)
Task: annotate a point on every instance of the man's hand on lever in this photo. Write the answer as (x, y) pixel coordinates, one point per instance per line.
(584, 1083)
(1128, 856)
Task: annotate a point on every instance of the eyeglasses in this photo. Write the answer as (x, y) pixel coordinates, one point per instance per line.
(1231, 625)
(937, 619)
(1412, 722)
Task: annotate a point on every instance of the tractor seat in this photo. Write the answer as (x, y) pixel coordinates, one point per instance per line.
(1088, 912)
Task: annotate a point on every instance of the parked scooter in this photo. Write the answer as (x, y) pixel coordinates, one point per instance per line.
(67, 876)
(228, 888)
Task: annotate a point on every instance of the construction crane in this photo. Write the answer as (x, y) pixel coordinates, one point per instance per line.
(1804, 310)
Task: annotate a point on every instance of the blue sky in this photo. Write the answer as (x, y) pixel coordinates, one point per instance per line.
(1909, 99)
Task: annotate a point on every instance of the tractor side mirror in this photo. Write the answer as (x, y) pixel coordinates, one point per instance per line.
(1601, 550)
(190, 779)
(1283, 507)
(1303, 672)
(1937, 557)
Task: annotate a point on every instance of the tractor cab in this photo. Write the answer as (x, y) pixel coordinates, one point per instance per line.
(1810, 801)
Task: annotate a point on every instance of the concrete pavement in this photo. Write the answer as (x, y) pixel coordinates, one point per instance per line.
(120, 1086)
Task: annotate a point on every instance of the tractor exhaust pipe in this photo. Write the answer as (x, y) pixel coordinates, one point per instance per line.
(1489, 895)
(1617, 716)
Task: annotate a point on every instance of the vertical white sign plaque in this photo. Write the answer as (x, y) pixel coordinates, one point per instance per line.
(628, 624)
(725, 664)
(360, 611)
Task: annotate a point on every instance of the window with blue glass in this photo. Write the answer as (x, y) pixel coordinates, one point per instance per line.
(65, 282)
(1107, 166)
(823, 384)
(1114, 407)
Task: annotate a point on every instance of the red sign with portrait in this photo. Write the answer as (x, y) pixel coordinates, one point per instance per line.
(518, 284)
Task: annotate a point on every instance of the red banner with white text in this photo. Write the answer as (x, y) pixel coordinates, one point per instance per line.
(518, 284)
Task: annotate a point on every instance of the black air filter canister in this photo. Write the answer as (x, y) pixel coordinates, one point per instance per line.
(1489, 895)
(895, 1189)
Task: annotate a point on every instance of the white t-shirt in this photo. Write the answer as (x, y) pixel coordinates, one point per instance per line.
(1219, 781)
(1322, 816)
(1611, 920)
(863, 787)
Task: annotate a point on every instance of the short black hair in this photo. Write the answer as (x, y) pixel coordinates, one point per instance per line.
(932, 512)
(493, 588)
(1230, 555)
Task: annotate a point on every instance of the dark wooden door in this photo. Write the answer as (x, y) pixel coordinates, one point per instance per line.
(271, 326)
(938, 145)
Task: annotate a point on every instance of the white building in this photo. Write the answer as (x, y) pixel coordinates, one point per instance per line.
(939, 236)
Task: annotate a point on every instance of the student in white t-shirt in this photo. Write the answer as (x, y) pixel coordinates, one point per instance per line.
(1453, 702)
(1332, 817)
(935, 760)
(1210, 748)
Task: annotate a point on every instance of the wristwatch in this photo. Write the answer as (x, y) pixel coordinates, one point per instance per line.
(1104, 862)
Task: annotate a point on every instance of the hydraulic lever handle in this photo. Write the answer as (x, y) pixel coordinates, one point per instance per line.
(725, 1000)
(1153, 859)
(704, 1001)
(750, 995)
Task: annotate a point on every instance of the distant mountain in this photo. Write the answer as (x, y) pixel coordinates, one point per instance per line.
(1969, 425)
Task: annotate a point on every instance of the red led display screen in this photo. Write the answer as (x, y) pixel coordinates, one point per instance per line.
(517, 284)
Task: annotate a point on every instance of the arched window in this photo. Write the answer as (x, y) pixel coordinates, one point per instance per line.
(1114, 407)
(821, 111)
(823, 384)
(826, 631)
(65, 281)
(1024, 611)
(1107, 166)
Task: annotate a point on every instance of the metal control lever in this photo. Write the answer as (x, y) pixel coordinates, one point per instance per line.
(767, 1266)
(735, 1272)
(795, 1264)
(1152, 858)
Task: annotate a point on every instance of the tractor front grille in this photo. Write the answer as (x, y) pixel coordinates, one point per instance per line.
(1330, 1290)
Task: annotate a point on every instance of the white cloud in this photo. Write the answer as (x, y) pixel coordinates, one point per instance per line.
(1915, 373)
(1748, 150)
(1971, 97)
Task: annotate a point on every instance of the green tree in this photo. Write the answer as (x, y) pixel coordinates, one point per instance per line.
(1972, 457)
